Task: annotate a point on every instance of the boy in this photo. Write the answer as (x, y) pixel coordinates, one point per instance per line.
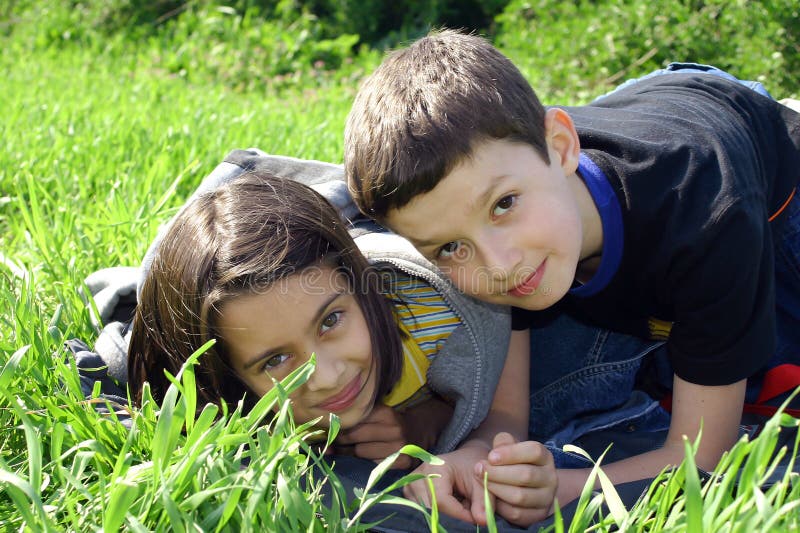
(665, 210)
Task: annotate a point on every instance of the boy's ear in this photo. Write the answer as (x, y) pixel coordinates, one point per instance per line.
(562, 138)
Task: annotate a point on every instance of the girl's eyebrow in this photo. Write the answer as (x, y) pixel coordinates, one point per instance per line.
(317, 317)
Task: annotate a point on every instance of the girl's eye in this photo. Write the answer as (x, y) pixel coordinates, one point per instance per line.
(504, 204)
(275, 361)
(447, 250)
(330, 321)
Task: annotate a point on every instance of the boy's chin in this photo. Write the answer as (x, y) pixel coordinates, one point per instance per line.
(536, 301)
(522, 304)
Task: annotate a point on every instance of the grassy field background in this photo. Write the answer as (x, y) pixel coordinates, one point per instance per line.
(113, 112)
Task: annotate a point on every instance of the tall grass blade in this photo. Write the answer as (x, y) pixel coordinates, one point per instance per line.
(692, 496)
(23, 495)
(123, 494)
(491, 523)
(9, 370)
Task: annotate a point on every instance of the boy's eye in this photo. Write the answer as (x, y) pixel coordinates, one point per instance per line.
(447, 250)
(275, 361)
(330, 321)
(504, 204)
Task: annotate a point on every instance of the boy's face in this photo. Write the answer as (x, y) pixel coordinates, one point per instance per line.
(504, 226)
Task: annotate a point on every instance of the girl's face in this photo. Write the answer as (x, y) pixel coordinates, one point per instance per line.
(270, 333)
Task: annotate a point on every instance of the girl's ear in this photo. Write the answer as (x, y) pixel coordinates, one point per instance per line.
(562, 139)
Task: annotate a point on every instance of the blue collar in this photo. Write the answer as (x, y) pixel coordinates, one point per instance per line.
(611, 218)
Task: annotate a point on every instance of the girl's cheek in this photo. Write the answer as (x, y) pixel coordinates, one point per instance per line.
(260, 386)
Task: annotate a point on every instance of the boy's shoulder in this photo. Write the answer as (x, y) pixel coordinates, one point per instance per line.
(694, 99)
(696, 122)
(685, 84)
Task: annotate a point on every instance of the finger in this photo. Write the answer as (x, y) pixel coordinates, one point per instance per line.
(376, 450)
(503, 439)
(478, 504)
(376, 427)
(403, 462)
(418, 492)
(342, 450)
(519, 475)
(451, 506)
(446, 502)
(520, 516)
(527, 452)
(523, 497)
(383, 413)
(371, 433)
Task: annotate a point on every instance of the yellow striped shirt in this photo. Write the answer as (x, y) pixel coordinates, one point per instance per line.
(425, 321)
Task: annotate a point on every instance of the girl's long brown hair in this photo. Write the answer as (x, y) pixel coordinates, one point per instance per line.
(240, 238)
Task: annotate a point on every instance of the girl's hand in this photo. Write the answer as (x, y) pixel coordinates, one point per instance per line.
(459, 493)
(522, 477)
(379, 435)
(385, 430)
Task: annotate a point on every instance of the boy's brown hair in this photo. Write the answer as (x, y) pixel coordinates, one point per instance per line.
(424, 109)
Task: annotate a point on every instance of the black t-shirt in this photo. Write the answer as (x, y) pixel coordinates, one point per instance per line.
(699, 164)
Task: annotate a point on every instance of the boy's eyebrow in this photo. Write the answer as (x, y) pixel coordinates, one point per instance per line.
(317, 317)
(420, 244)
(484, 197)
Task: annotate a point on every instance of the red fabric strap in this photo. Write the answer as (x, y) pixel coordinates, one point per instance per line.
(778, 380)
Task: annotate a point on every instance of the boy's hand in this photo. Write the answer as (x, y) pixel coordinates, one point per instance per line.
(459, 493)
(522, 476)
(379, 435)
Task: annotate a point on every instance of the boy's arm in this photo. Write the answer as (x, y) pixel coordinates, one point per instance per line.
(511, 404)
(719, 408)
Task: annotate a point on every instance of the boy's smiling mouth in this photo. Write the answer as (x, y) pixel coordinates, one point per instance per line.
(531, 283)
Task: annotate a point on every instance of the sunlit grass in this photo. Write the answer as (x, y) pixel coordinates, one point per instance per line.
(99, 147)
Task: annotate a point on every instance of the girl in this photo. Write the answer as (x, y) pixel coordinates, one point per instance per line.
(266, 266)
(262, 264)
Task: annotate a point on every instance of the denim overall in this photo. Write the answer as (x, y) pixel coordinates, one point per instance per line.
(583, 379)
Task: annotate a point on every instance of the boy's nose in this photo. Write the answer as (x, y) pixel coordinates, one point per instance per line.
(501, 257)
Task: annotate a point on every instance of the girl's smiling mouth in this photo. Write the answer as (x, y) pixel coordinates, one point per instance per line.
(344, 398)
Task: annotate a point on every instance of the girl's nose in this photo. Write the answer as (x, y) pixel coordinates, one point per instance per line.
(326, 375)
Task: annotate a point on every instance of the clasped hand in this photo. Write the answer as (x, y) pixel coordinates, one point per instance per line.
(521, 476)
(521, 479)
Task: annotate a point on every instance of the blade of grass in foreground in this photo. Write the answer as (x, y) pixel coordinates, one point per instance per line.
(366, 499)
(26, 494)
(691, 488)
(587, 509)
(487, 503)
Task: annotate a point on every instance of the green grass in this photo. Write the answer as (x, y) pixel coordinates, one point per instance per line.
(103, 137)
